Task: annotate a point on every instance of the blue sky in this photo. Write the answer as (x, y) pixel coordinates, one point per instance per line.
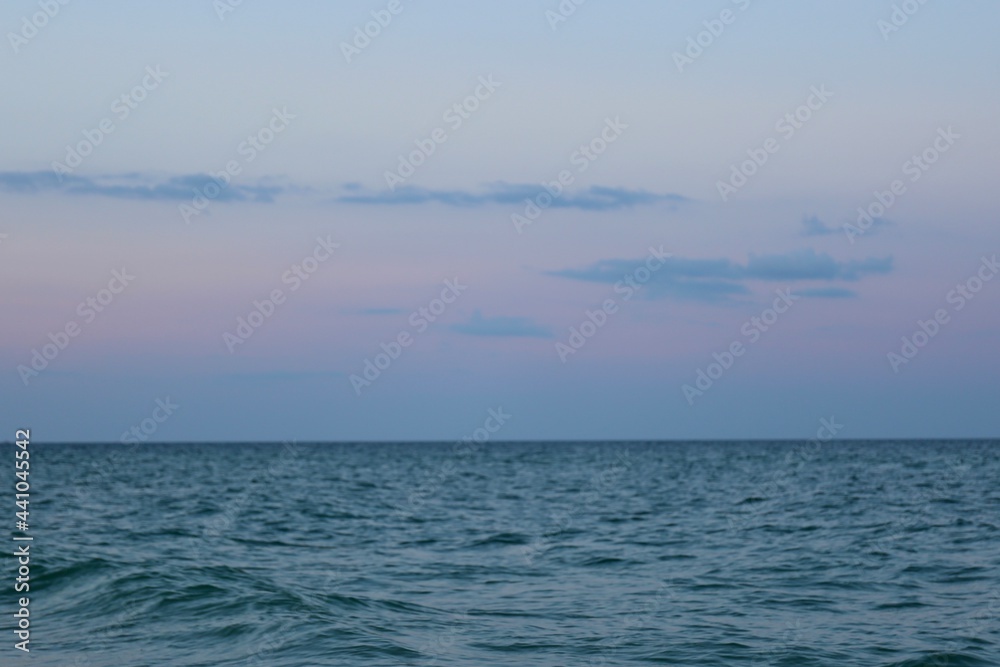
(403, 239)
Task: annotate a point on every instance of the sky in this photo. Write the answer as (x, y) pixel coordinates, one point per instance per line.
(395, 220)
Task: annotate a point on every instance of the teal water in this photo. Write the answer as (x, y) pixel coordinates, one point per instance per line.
(548, 554)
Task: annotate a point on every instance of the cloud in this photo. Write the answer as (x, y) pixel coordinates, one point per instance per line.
(594, 198)
(134, 186)
(813, 226)
(505, 327)
(816, 227)
(696, 279)
(720, 280)
(612, 270)
(809, 265)
(827, 293)
(184, 188)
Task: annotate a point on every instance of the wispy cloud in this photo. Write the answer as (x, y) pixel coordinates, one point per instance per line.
(503, 327)
(719, 280)
(133, 186)
(150, 187)
(594, 198)
(813, 226)
(810, 265)
(827, 293)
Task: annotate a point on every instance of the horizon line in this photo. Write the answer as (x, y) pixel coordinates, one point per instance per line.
(522, 442)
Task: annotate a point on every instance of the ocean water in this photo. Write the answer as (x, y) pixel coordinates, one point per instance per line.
(547, 554)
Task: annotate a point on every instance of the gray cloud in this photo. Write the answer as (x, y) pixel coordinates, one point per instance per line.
(183, 188)
(594, 198)
(809, 265)
(827, 293)
(133, 186)
(813, 226)
(720, 280)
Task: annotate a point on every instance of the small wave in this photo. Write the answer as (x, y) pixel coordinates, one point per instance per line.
(912, 604)
(943, 659)
(502, 538)
(600, 561)
(72, 572)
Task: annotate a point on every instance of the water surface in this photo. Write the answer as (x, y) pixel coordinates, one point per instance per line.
(547, 554)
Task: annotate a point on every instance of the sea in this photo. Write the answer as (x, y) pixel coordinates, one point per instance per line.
(547, 554)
